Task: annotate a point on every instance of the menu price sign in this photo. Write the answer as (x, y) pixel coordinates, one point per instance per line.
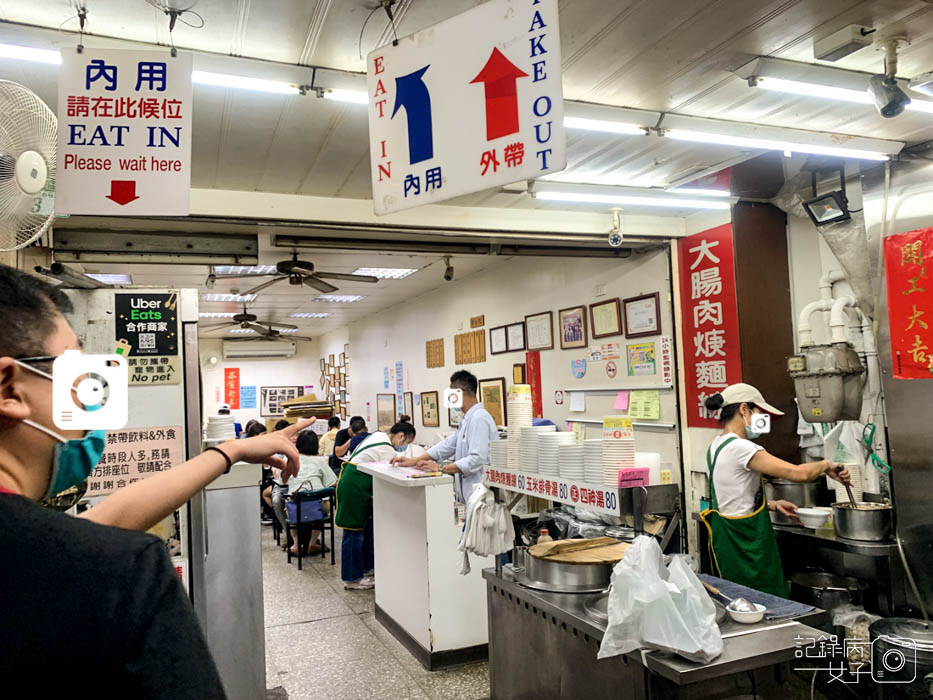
(596, 496)
(146, 333)
(133, 454)
(710, 320)
(908, 259)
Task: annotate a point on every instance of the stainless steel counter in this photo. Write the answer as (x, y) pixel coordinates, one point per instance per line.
(830, 540)
(746, 648)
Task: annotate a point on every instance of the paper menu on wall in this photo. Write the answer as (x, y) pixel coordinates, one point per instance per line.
(577, 401)
(621, 403)
(645, 404)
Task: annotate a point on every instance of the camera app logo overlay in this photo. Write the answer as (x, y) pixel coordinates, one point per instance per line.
(90, 392)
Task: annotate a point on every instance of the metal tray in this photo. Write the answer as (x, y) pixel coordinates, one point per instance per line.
(522, 579)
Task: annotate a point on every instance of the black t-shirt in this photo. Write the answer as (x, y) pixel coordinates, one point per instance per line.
(342, 438)
(83, 605)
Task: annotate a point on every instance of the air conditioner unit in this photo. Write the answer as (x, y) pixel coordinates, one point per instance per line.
(240, 350)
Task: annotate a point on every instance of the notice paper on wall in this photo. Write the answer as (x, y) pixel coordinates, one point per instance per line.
(577, 401)
(645, 404)
(248, 396)
(621, 403)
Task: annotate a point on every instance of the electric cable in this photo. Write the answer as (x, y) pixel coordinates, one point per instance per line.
(363, 29)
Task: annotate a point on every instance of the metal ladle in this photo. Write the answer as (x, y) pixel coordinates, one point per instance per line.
(735, 604)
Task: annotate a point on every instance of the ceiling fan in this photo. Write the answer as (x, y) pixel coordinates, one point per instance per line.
(297, 272)
(248, 321)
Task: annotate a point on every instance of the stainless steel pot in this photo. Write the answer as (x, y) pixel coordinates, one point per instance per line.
(559, 577)
(867, 521)
(825, 591)
(801, 494)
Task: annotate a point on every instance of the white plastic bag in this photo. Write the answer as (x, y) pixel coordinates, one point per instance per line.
(658, 606)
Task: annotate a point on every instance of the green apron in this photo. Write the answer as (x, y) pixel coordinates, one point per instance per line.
(743, 547)
(354, 493)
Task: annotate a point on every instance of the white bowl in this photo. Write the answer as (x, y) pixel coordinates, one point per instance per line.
(748, 618)
(812, 518)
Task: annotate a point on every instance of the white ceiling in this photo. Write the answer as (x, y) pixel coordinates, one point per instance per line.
(662, 55)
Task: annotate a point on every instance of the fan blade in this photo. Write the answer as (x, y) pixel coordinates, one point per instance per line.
(216, 326)
(318, 284)
(349, 278)
(262, 330)
(299, 266)
(280, 325)
(299, 337)
(264, 285)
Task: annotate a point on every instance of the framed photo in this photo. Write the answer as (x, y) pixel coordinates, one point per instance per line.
(330, 361)
(498, 340)
(515, 336)
(454, 417)
(492, 394)
(271, 398)
(343, 396)
(539, 329)
(606, 318)
(385, 411)
(408, 404)
(323, 364)
(518, 374)
(572, 323)
(430, 417)
(642, 315)
(343, 359)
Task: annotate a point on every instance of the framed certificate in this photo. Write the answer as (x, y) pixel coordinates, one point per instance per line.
(642, 315)
(606, 318)
(515, 340)
(539, 329)
(385, 411)
(430, 418)
(492, 394)
(498, 340)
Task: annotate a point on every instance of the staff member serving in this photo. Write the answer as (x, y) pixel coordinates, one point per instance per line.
(742, 539)
(469, 446)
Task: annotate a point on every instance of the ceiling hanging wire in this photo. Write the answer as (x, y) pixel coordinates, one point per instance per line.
(176, 15)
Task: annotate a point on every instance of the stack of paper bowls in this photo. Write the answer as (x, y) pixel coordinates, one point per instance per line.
(572, 465)
(593, 461)
(858, 484)
(499, 454)
(549, 451)
(618, 451)
(520, 413)
(219, 428)
(529, 445)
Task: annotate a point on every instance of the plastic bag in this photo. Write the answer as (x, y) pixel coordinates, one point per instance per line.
(585, 530)
(560, 520)
(850, 615)
(658, 606)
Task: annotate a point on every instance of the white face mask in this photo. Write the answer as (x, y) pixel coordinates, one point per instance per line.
(751, 433)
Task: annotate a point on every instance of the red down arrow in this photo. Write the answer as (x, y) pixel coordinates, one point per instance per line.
(499, 76)
(122, 191)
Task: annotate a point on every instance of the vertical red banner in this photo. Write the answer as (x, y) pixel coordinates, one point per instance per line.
(533, 377)
(710, 320)
(910, 302)
(232, 387)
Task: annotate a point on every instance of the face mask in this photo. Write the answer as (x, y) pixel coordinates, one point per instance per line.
(400, 448)
(751, 433)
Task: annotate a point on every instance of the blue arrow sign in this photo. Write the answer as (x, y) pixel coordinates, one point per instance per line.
(412, 94)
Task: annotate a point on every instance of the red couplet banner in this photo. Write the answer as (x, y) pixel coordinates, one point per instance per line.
(232, 387)
(533, 377)
(907, 259)
(710, 320)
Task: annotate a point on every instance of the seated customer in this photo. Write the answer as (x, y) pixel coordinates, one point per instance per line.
(314, 474)
(329, 439)
(355, 503)
(342, 443)
(360, 433)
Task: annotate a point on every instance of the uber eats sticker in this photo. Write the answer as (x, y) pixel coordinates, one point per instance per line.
(147, 334)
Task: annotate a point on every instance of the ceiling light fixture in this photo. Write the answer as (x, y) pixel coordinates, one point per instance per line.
(698, 192)
(386, 273)
(216, 314)
(110, 278)
(339, 298)
(241, 330)
(830, 92)
(242, 298)
(772, 144)
(623, 199)
(831, 207)
(242, 82)
(604, 125)
(244, 269)
(357, 97)
(304, 314)
(27, 53)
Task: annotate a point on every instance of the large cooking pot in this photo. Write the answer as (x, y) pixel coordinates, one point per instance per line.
(867, 521)
(801, 494)
(826, 591)
(563, 577)
(902, 656)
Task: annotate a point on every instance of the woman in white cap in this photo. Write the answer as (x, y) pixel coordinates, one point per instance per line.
(742, 540)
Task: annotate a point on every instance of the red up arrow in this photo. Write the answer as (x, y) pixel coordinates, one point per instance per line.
(122, 191)
(500, 75)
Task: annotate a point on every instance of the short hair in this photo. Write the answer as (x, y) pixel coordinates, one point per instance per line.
(333, 422)
(255, 429)
(407, 429)
(357, 424)
(307, 442)
(461, 379)
(282, 424)
(224, 411)
(404, 418)
(28, 313)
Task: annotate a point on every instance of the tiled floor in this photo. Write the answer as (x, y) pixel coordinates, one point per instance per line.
(324, 642)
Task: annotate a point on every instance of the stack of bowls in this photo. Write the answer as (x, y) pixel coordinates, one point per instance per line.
(548, 454)
(593, 461)
(499, 454)
(219, 428)
(618, 449)
(572, 465)
(520, 413)
(529, 445)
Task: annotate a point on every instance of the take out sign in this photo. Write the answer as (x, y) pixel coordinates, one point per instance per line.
(472, 103)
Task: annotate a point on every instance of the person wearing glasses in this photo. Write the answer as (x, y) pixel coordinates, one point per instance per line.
(92, 592)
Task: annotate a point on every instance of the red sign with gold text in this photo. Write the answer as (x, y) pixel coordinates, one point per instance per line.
(908, 262)
(232, 387)
(710, 320)
(533, 377)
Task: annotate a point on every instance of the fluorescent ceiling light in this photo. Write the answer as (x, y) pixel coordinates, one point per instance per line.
(386, 273)
(108, 278)
(241, 330)
(357, 97)
(699, 192)
(217, 314)
(287, 330)
(828, 92)
(630, 200)
(612, 127)
(26, 53)
(339, 298)
(240, 82)
(771, 144)
(305, 314)
(245, 298)
(244, 269)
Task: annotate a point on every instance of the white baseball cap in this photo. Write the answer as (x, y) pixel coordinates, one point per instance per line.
(746, 393)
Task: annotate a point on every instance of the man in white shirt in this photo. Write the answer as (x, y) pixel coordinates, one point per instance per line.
(469, 446)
